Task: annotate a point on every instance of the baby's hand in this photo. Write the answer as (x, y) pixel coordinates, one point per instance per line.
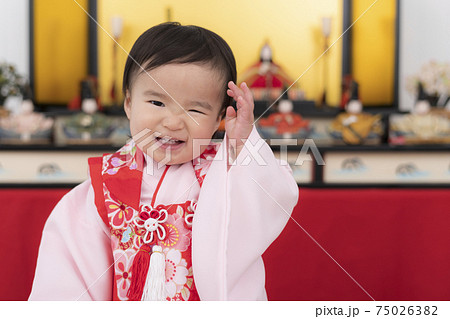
(239, 125)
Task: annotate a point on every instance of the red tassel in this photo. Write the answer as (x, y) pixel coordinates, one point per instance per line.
(139, 271)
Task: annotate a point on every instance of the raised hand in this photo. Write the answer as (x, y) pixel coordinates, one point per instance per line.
(239, 124)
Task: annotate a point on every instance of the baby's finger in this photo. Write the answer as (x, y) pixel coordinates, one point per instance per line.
(240, 102)
(235, 89)
(244, 116)
(230, 93)
(247, 93)
(244, 110)
(232, 85)
(230, 113)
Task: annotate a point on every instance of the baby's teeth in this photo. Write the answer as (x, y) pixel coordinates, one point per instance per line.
(166, 140)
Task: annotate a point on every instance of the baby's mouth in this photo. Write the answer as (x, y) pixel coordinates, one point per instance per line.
(165, 140)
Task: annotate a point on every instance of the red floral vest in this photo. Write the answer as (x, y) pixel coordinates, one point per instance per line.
(116, 180)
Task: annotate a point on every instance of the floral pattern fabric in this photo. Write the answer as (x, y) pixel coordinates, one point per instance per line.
(127, 238)
(203, 162)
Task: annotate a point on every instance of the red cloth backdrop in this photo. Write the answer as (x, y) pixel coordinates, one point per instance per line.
(395, 243)
(23, 212)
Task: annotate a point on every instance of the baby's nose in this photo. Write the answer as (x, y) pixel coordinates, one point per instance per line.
(173, 122)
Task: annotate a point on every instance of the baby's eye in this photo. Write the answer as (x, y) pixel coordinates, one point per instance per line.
(157, 103)
(197, 111)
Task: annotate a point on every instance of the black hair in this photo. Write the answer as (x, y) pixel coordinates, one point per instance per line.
(171, 42)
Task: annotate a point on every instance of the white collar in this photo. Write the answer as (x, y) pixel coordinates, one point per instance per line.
(152, 168)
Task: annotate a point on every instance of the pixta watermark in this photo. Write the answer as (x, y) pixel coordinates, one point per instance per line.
(255, 152)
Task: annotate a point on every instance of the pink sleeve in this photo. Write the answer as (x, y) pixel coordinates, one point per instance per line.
(240, 212)
(75, 259)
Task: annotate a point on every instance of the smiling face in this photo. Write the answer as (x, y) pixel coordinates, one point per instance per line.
(183, 108)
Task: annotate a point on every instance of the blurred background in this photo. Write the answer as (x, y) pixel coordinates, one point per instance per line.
(362, 86)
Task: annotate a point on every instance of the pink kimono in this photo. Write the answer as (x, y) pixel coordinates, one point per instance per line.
(220, 222)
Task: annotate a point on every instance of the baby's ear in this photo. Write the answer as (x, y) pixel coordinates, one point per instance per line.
(127, 103)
